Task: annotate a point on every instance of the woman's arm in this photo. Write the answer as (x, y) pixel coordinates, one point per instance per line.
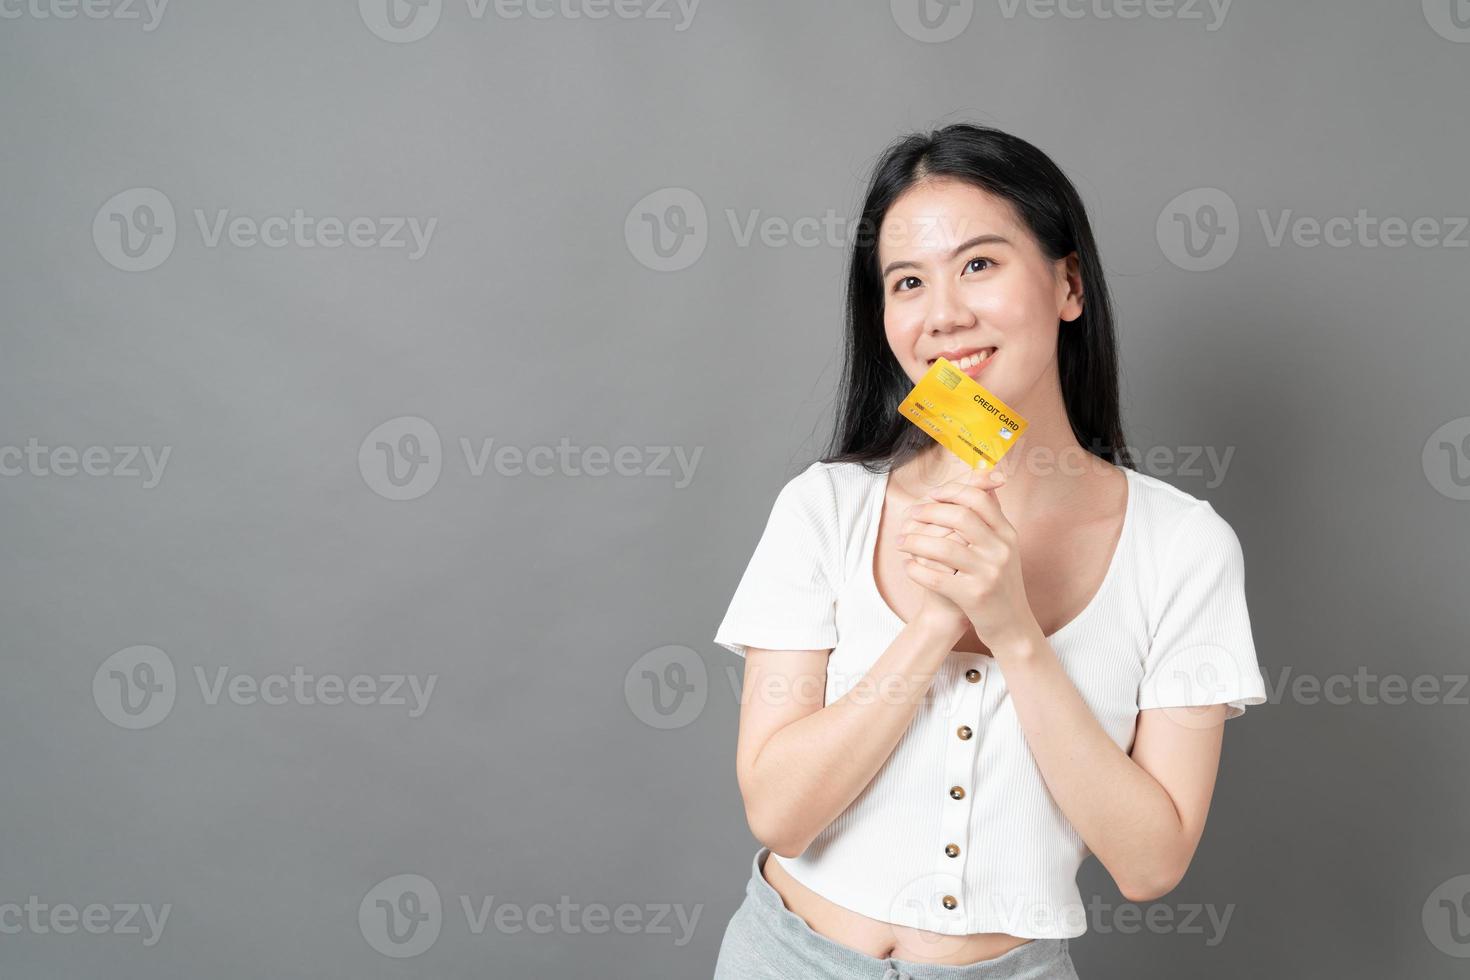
(801, 764)
(1142, 816)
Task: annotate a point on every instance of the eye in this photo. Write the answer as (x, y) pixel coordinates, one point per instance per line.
(970, 265)
(899, 287)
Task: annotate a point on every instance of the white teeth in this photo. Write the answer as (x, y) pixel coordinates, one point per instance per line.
(969, 361)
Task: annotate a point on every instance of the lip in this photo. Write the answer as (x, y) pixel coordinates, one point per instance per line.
(958, 353)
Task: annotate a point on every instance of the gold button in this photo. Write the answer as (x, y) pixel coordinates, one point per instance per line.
(958, 792)
(972, 675)
(949, 902)
(953, 850)
(965, 733)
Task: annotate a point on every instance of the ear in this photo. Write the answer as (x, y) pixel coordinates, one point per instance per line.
(1069, 288)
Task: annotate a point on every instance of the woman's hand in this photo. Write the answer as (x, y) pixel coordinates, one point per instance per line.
(970, 557)
(934, 608)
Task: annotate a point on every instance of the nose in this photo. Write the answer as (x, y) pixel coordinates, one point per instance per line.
(947, 311)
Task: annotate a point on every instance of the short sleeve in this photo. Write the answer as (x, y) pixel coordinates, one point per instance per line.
(1201, 650)
(787, 598)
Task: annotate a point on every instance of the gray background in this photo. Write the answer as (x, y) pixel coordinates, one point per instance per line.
(538, 772)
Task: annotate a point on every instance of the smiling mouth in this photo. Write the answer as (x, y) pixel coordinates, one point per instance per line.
(969, 360)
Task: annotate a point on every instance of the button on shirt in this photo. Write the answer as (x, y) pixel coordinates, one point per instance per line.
(957, 832)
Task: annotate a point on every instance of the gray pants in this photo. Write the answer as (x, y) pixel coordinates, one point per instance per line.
(767, 941)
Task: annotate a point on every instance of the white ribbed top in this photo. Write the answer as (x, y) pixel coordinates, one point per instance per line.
(1167, 628)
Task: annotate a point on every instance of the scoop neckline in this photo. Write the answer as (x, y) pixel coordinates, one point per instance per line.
(870, 553)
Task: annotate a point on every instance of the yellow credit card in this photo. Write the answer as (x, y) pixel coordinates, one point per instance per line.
(962, 416)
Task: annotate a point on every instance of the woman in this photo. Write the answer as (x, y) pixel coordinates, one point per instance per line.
(959, 683)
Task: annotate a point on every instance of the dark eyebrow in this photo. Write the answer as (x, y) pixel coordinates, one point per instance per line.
(977, 240)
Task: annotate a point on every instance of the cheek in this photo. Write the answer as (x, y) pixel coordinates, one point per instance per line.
(1020, 310)
(901, 326)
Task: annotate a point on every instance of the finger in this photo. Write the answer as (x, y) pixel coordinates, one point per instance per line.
(939, 580)
(982, 477)
(934, 530)
(913, 524)
(980, 500)
(945, 551)
(954, 517)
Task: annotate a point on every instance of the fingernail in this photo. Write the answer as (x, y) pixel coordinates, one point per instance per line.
(998, 477)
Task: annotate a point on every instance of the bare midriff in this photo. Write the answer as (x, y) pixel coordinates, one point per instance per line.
(882, 940)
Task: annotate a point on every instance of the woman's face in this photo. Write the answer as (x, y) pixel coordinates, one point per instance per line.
(962, 274)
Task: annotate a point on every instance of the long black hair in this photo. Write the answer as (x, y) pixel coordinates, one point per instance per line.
(869, 429)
